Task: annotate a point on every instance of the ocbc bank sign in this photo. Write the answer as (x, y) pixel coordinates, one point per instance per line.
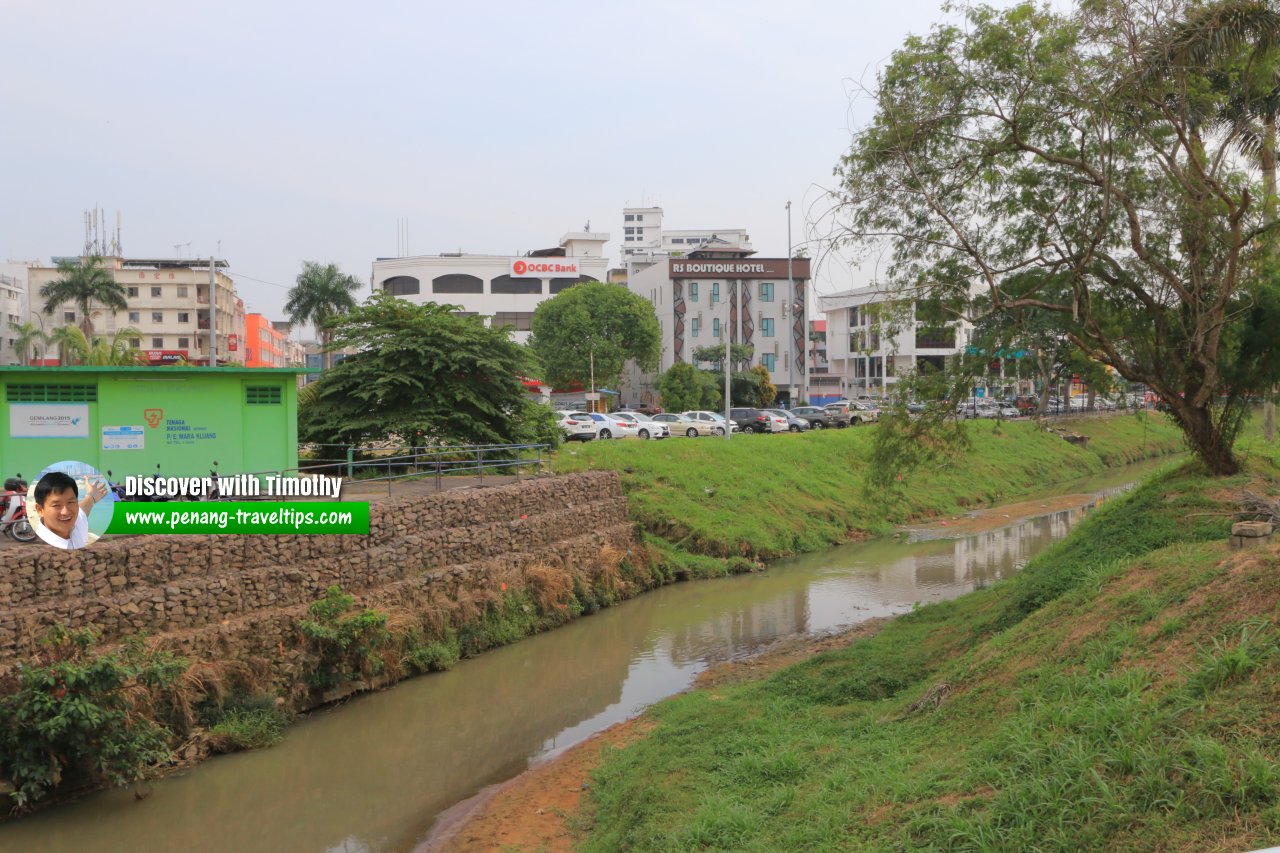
(544, 268)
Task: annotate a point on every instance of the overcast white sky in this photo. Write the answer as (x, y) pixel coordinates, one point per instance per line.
(306, 130)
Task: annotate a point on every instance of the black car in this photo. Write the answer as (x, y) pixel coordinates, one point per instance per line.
(750, 420)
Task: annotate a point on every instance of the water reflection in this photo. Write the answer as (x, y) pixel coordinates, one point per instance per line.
(372, 774)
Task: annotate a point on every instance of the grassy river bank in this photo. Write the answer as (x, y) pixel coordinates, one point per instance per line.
(1119, 694)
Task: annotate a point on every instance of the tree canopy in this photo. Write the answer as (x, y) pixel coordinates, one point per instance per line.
(421, 369)
(86, 282)
(684, 387)
(594, 322)
(1027, 141)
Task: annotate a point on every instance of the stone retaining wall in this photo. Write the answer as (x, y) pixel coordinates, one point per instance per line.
(216, 595)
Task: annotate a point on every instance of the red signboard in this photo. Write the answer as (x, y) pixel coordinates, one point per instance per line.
(233, 342)
(165, 356)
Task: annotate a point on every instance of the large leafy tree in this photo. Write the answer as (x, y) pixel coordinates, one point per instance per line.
(321, 293)
(594, 328)
(116, 351)
(420, 369)
(1030, 141)
(684, 387)
(85, 282)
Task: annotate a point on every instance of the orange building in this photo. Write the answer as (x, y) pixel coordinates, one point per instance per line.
(264, 346)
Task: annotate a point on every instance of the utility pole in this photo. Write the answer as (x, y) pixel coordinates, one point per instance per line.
(791, 303)
(728, 367)
(213, 313)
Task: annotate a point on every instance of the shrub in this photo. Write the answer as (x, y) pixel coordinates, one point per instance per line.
(346, 646)
(72, 717)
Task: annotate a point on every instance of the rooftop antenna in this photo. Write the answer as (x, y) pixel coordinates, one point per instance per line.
(88, 234)
(118, 249)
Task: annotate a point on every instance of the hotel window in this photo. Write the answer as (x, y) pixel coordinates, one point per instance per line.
(768, 360)
(135, 343)
(155, 293)
(184, 317)
(157, 343)
(697, 326)
(157, 316)
(629, 230)
(715, 291)
(715, 327)
(131, 292)
(766, 327)
(182, 291)
(629, 218)
(693, 291)
(135, 316)
(184, 343)
(677, 240)
(766, 291)
(68, 316)
(639, 217)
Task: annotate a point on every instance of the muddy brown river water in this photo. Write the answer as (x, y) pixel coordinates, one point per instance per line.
(374, 773)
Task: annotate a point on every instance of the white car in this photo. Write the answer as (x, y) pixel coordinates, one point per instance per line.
(576, 426)
(646, 426)
(610, 426)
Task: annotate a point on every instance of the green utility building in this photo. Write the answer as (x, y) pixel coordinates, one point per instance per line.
(129, 419)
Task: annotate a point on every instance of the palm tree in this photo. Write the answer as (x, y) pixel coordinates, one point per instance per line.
(84, 282)
(29, 336)
(322, 292)
(73, 346)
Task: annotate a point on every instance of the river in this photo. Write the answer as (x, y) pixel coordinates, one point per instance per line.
(373, 773)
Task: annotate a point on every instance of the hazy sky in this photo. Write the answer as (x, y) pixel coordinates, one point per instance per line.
(306, 130)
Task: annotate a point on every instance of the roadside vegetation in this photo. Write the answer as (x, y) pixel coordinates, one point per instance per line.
(1116, 695)
(712, 506)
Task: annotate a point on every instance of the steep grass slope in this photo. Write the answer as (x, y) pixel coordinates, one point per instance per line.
(1120, 694)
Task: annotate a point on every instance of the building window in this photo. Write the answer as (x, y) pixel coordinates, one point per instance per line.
(768, 359)
(457, 283)
(628, 230)
(697, 326)
(766, 327)
(157, 343)
(715, 327)
(182, 291)
(135, 343)
(68, 316)
(679, 240)
(518, 320)
(135, 316)
(639, 217)
(559, 284)
(155, 293)
(629, 218)
(402, 285)
(184, 317)
(184, 343)
(766, 291)
(693, 291)
(507, 284)
(157, 316)
(131, 292)
(715, 292)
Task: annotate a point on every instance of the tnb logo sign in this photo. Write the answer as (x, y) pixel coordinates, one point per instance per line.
(153, 417)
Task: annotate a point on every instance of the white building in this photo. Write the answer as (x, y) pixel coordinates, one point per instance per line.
(504, 288)
(13, 312)
(714, 292)
(867, 361)
(168, 302)
(644, 240)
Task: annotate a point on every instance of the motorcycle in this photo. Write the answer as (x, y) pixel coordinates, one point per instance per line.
(14, 521)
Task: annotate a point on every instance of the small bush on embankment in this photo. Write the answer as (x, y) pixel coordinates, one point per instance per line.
(763, 496)
(1126, 704)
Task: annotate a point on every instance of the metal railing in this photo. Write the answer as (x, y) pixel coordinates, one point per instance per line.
(375, 464)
